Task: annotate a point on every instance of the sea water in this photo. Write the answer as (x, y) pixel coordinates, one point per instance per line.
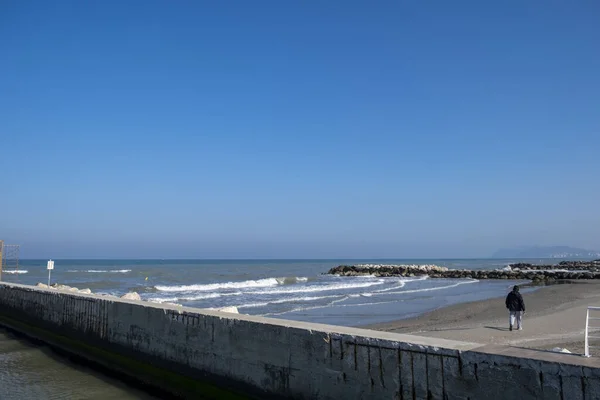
(33, 371)
(290, 289)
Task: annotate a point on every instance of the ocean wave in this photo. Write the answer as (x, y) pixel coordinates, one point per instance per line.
(415, 279)
(192, 297)
(368, 304)
(16, 271)
(185, 298)
(102, 271)
(267, 282)
(216, 286)
(399, 286)
(322, 288)
(429, 289)
(330, 304)
(287, 300)
(301, 309)
(290, 280)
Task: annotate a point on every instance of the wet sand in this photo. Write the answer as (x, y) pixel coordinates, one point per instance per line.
(555, 317)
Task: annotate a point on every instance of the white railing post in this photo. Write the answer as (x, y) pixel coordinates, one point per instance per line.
(587, 322)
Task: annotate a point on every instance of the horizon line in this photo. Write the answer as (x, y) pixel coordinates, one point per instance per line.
(294, 259)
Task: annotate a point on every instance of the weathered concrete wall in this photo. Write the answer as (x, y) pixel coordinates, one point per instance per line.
(286, 359)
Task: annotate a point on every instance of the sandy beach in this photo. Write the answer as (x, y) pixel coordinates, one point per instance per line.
(555, 317)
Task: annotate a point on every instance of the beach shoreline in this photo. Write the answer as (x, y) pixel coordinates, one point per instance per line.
(555, 317)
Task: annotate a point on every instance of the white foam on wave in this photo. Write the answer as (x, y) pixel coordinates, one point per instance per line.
(291, 280)
(430, 289)
(16, 271)
(301, 309)
(401, 283)
(216, 286)
(188, 298)
(320, 288)
(330, 304)
(415, 279)
(399, 286)
(267, 282)
(109, 271)
(102, 271)
(333, 303)
(287, 300)
(367, 304)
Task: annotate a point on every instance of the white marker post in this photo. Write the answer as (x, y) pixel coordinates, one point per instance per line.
(50, 268)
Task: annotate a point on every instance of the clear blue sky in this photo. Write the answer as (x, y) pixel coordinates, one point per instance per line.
(298, 129)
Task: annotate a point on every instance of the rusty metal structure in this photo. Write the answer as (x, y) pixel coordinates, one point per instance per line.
(9, 258)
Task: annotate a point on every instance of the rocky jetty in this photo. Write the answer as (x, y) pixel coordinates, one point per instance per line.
(565, 270)
(592, 266)
(387, 270)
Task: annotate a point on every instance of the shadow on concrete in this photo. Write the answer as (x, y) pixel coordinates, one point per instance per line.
(497, 328)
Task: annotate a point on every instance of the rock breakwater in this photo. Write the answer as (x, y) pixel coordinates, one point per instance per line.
(387, 270)
(592, 266)
(565, 270)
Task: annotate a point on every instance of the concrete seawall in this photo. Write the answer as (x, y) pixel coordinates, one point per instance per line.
(196, 353)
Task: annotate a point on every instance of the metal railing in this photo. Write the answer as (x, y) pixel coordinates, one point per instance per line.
(588, 328)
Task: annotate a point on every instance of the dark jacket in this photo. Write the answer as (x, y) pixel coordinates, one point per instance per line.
(514, 301)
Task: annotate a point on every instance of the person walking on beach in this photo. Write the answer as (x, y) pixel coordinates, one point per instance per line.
(516, 308)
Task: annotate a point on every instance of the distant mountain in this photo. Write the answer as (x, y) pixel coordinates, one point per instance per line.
(545, 252)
